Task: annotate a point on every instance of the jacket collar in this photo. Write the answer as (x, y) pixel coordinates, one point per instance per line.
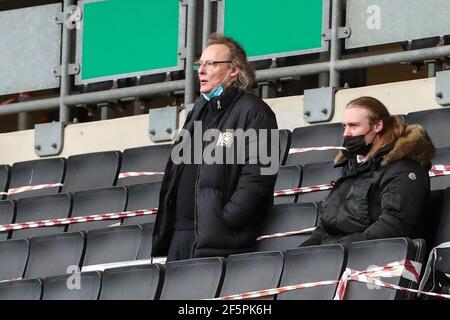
(414, 145)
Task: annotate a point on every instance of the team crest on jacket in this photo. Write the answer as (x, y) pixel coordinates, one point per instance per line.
(225, 139)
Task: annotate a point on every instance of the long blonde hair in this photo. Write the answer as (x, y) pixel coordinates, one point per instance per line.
(393, 126)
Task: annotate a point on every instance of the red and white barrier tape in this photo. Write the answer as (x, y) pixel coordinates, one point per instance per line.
(430, 264)
(301, 150)
(139, 174)
(439, 170)
(31, 188)
(407, 269)
(64, 221)
(286, 234)
(294, 191)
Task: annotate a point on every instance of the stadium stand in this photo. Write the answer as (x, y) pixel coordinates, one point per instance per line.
(13, 258)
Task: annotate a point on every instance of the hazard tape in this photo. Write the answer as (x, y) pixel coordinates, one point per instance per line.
(139, 174)
(286, 234)
(301, 150)
(439, 170)
(31, 188)
(432, 258)
(407, 269)
(88, 218)
(302, 190)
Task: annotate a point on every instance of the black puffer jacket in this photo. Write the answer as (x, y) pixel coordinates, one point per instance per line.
(381, 198)
(232, 199)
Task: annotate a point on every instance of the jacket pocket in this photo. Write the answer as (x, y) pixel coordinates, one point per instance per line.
(354, 212)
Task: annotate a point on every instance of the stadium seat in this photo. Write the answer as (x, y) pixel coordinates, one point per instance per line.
(317, 174)
(7, 212)
(52, 255)
(324, 135)
(67, 287)
(251, 272)
(436, 122)
(312, 264)
(30, 289)
(91, 170)
(285, 143)
(132, 283)
(443, 230)
(106, 200)
(13, 258)
(287, 217)
(4, 179)
(193, 279)
(145, 250)
(377, 253)
(42, 208)
(144, 159)
(37, 172)
(113, 244)
(142, 196)
(442, 157)
(289, 177)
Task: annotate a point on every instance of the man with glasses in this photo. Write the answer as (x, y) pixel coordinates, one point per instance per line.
(215, 209)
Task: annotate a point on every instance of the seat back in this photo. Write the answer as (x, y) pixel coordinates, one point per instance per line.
(79, 286)
(323, 135)
(106, 200)
(132, 283)
(13, 258)
(288, 178)
(52, 255)
(312, 264)
(193, 279)
(37, 172)
(285, 143)
(442, 157)
(142, 196)
(30, 289)
(53, 206)
(7, 213)
(91, 170)
(318, 174)
(145, 250)
(113, 244)
(144, 159)
(251, 272)
(284, 218)
(436, 122)
(443, 231)
(4, 179)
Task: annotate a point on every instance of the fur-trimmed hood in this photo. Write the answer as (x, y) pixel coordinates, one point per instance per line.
(414, 145)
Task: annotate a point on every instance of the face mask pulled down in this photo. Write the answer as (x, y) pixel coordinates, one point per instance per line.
(217, 90)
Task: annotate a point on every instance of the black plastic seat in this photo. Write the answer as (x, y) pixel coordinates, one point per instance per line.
(91, 170)
(113, 244)
(251, 272)
(436, 122)
(66, 287)
(30, 289)
(13, 258)
(318, 174)
(285, 143)
(442, 157)
(289, 177)
(4, 179)
(42, 208)
(142, 196)
(323, 135)
(145, 250)
(193, 279)
(284, 218)
(443, 230)
(37, 172)
(144, 159)
(312, 264)
(98, 201)
(132, 283)
(7, 212)
(52, 255)
(377, 253)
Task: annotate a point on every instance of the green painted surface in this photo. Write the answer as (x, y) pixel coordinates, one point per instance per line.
(128, 36)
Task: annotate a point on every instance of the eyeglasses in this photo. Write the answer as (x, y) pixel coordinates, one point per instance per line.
(208, 64)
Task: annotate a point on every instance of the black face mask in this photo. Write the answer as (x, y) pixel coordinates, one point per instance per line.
(356, 145)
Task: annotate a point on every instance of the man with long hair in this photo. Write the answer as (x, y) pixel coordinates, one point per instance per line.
(214, 209)
(384, 182)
